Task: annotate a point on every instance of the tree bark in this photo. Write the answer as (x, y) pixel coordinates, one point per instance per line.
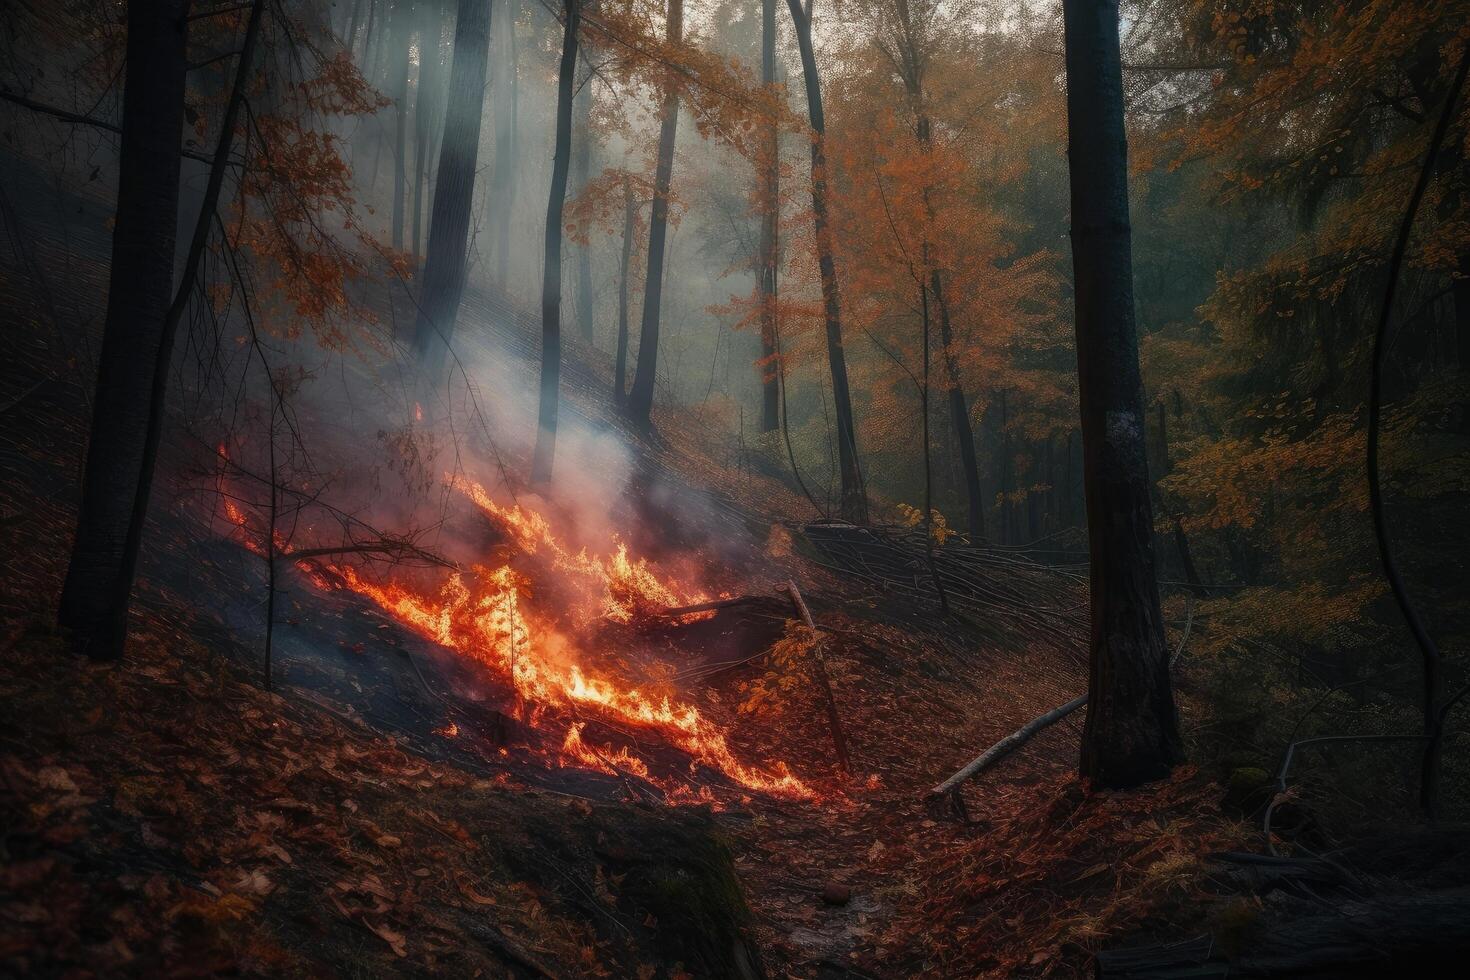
(545, 454)
(625, 262)
(854, 505)
(139, 293)
(640, 399)
(959, 414)
(1132, 733)
(582, 174)
(1461, 294)
(454, 188)
(425, 113)
(403, 43)
(912, 59)
(507, 125)
(770, 221)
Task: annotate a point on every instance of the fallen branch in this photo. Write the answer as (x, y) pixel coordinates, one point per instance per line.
(834, 721)
(675, 611)
(1025, 733)
(1002, 749)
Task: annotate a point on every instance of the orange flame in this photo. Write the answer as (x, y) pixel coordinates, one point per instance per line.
(630, 588)
(482, 616)
(488, 625)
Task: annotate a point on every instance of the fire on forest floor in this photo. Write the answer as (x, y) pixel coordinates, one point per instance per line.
(168, 815)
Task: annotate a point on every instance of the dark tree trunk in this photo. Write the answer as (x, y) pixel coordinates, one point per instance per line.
(545, 455)
(625, 263)
(1461, 291)
(1004, 506)
(139, 293)
(582, 174)
(1132, 732)
(507, 125)
(912, 60)
(854, 495)
(403, 43)
(640, 398)
(959, 414)
(454, 188)
(770, 218)
(425, 115)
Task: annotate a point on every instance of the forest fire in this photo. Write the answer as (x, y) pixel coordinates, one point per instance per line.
(630, 588)
(484, 615)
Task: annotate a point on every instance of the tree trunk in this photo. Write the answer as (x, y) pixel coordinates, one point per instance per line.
(640, 398)
(1132, 733)
(770, 221)
(854, 495)
(425, 112)
(545, 454)
(349, 41)
(625, 262)
(1004, 506)
(403, 43)
(582, 174)
(139, 293)
(502, 191)
(959, 414)
(454, 188)
(912, 58)
(1461, 292)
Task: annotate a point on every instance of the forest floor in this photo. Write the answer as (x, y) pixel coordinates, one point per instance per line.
(169, 816)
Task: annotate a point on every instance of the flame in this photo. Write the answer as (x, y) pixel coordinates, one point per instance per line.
(618, 762)
(630, 588)
(487, 624)
(483, 615)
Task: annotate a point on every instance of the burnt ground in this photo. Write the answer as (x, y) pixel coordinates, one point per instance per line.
(170, 816)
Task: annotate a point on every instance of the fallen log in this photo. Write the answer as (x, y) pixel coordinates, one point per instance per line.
(834, 721)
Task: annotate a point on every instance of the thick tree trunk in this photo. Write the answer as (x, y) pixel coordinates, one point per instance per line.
(425, 115)
(139, 293)
(1132, 733)
(854, 495)
(545, 455)
(640, 398)
(581, 175)
(625, 262)
(770, 217)
(454, 188)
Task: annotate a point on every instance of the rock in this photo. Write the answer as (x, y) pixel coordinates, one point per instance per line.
(836, 894)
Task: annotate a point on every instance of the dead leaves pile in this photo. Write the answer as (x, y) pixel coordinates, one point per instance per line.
(166, 817)
(1054, 873)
